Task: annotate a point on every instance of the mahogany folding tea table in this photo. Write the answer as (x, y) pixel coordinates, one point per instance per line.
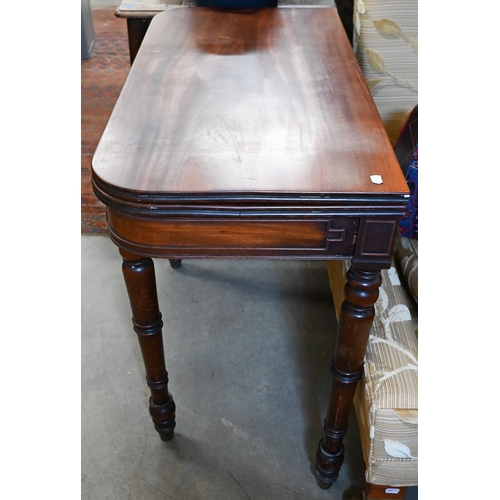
(251, 134)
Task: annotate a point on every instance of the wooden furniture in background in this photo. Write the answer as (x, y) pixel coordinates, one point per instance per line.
(251, 135)
(138, 14)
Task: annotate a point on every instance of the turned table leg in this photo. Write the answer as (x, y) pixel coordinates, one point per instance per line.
(356, 316)
(140, 280)
(175, 263)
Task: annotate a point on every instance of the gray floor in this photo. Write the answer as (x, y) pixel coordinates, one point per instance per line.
(248, 349)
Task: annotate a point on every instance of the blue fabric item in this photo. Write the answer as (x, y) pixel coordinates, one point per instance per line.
(409, 223)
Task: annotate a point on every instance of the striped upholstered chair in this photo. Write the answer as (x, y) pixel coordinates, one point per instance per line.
(385, 41)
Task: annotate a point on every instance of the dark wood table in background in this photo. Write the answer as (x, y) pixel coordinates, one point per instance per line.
(251, 135)
(138, 14)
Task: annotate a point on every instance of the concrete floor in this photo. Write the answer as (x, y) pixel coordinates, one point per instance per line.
(248, 349)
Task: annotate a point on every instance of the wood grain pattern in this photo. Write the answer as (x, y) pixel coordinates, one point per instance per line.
(246, 103)
(187, 237)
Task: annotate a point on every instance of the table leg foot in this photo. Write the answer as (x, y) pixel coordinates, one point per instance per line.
(175, 263)
(141, 287)
(163, 418)
(327, 466)
(356, 317)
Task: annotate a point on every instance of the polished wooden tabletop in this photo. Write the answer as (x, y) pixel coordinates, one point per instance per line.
(251, 135)
(269, 102)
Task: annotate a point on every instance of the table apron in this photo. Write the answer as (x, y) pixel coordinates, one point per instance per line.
(299, 238)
